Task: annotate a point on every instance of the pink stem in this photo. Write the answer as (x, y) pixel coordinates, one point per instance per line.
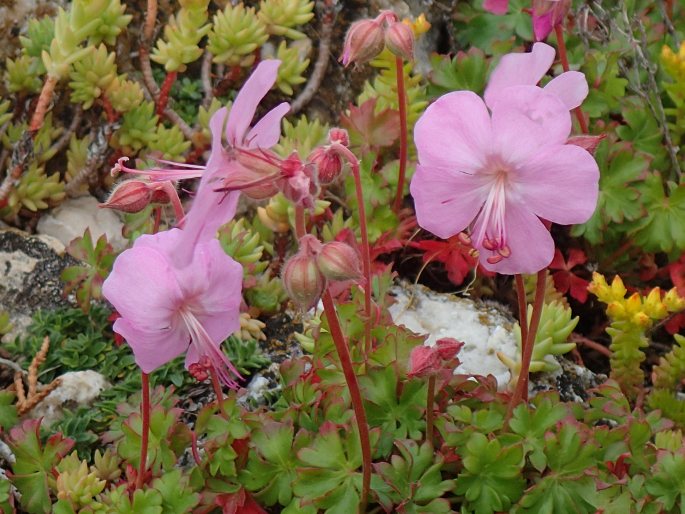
(521, 391)
(217, 388)
(402, 102)
(355, 394)
(145, 411)
(523, 306)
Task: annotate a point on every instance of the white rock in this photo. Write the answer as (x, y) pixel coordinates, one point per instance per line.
(71, 219)
(485, 330)
(77, 388)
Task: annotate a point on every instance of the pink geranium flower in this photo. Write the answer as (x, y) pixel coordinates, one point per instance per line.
(501, 173)
(527, 69)
(546, 14)
(167, 310)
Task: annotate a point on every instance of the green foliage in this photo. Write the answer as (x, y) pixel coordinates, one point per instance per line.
(666, 378)
(87, 278)
(170, 143)
(182, 33)
(293, 65)
(243, 243)
(236, 33)
(601, 70)
(246, 356)
(5, 324)
(301, 136)
(21, 75)
(92, 75)
(36, 191)
(280, 16)
(124, 95)
(465, 71)
(39, 35)
(138, 128)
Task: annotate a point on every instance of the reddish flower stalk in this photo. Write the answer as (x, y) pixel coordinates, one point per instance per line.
(366, 252)
(43, 102)
(163, 98)
(217, 388)
(145, 434)
(523, 306)
(521, 391)
(430, 414)
(402, 102)
(355, 394)
(559, 31)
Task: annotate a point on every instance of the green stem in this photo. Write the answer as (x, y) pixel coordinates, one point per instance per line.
(430, 414)
(355, 394)
(145, 435)
(521, 391)
(402, 103)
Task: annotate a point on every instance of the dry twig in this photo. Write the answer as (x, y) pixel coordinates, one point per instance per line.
(27, 401)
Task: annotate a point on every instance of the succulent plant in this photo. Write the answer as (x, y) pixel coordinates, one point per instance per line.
(77, 155)
(106, 465)
(236, 33)
(242, 243)
(293, 65)
(39, 35)
(36, 191)
(5, 324)
(182, 34)
(79, 487)
(92, 75)
(138, 128)
(42, 139)
(5, 112)
(64, 48)
(112, 21)
(124, 94)
(556, 324)
(267, 294)
(302, 136)
(170, 143)
(280, 16)
(22, 74)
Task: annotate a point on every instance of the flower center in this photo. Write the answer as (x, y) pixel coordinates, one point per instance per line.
(492, 232)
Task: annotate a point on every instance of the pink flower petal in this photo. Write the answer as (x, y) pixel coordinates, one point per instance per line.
(446, 201)
(528, 119)
(216, 128)
(542, 25)
(560, 184)
(496, 6)
(142, 276)
(267, 130)
(454, 133)
(153, 348)
(571, 87)
(531, 244)
(255, 88)
(519, 69)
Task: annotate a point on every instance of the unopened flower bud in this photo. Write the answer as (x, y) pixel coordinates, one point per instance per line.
(399, 39)
(328, 164)
(423, 361)
(131, 196)
(363, 42)
(339, 135)
(338, 261)
(301, 277)
(448, 347)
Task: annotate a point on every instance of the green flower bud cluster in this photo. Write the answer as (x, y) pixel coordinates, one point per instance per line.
(170, 142)
(36, 191)
(65, 46)
(301, 136)
(124, 94)
(556, 324)
(293, 65)
(236, 33)
(80, 486)
(242, 243)
(92, 75)
(280, 16)
(138, 129)
(182, 34)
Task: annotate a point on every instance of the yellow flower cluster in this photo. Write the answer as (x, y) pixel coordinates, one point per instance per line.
(418, 26)
(673, 62)
(636, 308)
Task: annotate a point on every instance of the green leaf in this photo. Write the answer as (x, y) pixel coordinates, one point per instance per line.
(667, 482)
(466, 71)
(663, 226)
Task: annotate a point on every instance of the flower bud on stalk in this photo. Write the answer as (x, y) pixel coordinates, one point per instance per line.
(134, 195)
(399, 39)
(302, 279)
(329, 164)
(338, 261)
(363, 42)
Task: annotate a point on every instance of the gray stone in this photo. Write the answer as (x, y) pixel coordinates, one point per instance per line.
(30, 267)
(73, 216)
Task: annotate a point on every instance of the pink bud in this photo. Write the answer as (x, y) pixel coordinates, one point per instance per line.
(339, 136)
(423, 362)
(338, 261)
(547, 14)
(448, 348)
(298, 183)
(399, 39)
(363, 42)
(301, 277)
(131, 196)
(328, 164)
(588, 143)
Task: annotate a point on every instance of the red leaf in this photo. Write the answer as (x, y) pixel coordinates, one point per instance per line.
(565, 280)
